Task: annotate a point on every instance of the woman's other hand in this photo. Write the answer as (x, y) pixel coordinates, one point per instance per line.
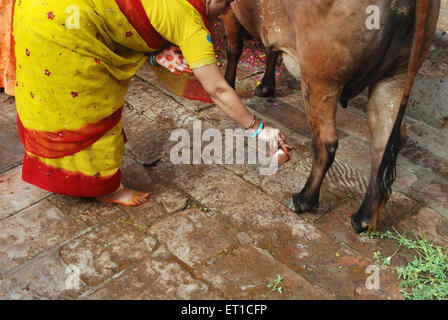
(172, 59)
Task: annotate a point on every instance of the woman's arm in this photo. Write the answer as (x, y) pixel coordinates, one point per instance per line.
(223, 95)
(226, 98)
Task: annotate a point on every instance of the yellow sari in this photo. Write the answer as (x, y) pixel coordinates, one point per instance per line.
(75, 61)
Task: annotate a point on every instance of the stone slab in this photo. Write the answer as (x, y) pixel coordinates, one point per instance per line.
(34, 231)
(246, 273)
(108, 250)
(186, 232)
(156, 280)
(15, 194)
(45, 278)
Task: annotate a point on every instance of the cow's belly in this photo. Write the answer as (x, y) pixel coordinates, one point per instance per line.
(292, 65)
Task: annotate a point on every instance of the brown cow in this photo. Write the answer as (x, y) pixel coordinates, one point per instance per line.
(328, 46)
(235, 34)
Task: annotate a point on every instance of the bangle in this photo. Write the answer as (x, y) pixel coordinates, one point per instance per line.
(258, 131)
(151, 59)
(252, 123)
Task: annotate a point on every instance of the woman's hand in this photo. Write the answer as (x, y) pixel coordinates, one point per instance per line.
(270, 136)
(278, 149)
(172, 59)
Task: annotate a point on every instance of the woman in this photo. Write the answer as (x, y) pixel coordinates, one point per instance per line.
(75, 61)
(7, 59)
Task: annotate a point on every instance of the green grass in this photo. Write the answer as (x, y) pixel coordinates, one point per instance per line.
(425, 277)
(275, 286)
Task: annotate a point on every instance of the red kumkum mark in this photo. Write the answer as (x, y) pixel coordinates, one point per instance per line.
(97, 61)
(27, 52)
(74, 94)
(47, 72)
(50, 15)
(129, 34)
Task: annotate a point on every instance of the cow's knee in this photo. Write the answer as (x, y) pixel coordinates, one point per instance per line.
(329, 140)
(332, 146)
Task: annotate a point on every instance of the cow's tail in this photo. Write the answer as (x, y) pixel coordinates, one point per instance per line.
(387, 170)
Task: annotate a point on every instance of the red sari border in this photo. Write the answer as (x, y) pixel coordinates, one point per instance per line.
(134, 11)
(65, 182)
(63, 143)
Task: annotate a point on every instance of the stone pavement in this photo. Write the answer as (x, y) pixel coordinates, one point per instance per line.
(217, 231)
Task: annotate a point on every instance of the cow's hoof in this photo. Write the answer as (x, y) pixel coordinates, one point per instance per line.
(300, 206)
(358, 224)
(264, 92)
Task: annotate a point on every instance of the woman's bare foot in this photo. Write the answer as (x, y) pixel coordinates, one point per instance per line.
(126, 197)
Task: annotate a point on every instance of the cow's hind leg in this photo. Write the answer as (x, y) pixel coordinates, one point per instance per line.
(267, 86)
(320, 100)
(235, 41)
(383, 109)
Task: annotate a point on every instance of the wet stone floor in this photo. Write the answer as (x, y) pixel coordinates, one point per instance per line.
(216, 231)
